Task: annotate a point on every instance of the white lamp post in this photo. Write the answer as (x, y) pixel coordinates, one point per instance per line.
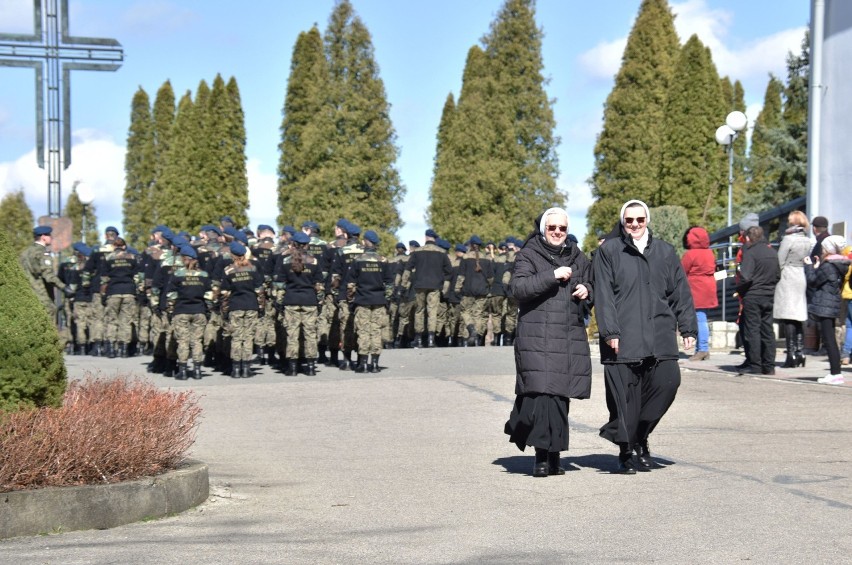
(86, 197)
(727, 134)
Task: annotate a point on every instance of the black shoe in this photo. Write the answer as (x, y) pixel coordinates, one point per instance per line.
(374, 366)
(197, 373)
(430, 339)
(362, 366)
(743, 365)
(749, 370)
(643, 458)
(312, 369)
(290, 368)
(181, 372)
(236, 373)
(553, 465)
(541, 469)
(626, 465)
(769, 371)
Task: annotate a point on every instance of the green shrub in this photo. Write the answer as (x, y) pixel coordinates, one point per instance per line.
(32, 369)
(669, 223)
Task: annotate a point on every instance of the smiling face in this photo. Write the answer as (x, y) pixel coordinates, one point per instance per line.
(555, 228)
(635, 221)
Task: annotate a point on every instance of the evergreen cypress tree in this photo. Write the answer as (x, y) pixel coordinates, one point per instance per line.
(694, 167)
(140, 170)
(360, 173)
(763, 170)
(164, 119)
(16, 220)
(32, 370)
(306, 132)
(178, 185)
(222, 154)
(74, 211)
(628, 152)
(436, 190)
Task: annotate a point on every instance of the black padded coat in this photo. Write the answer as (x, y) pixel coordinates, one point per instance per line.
(551, 346)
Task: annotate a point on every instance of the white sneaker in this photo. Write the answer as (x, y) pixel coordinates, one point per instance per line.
(831, 380)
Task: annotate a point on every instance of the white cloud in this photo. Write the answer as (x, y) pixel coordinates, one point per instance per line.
(602, 61)
(263, 195)
(16, 16)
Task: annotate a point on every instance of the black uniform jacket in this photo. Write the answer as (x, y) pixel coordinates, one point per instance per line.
(300, 288)
(641, 299)
(430, 267)
(372, 278)
(243, 285)
(185, 291)
(551, 347)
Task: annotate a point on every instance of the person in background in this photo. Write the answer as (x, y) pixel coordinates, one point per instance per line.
(758, 276)
(790, 306)
(846, 295)
(825, 277)
(699, 264)
(552, 280)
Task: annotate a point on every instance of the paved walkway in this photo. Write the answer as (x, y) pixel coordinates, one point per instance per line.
(411, 466)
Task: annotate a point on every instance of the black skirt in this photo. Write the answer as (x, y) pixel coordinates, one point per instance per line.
(540, 421)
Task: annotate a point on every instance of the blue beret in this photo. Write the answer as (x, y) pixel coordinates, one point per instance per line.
(431, 233)
(307, 224)
(230, 231)
(289, 229)
(301, 237)
(342, 223)
(443, 243)
(168, 235)
(372, 237)
(42, 230)
(413, 243)
(179, 241)
(112, 229)
(132, 250)
(264, 227)
(400, 245)
(241, 237)
(237, 248)
(474, 240)
(161, 228)
(208, 227)
(502, 245)
(214, 229)
(227, 219)
(353, 229)
(315, 226)
(460, 247)
(188, 251)
(81, 248)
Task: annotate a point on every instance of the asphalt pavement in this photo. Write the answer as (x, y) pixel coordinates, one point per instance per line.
(411, 466)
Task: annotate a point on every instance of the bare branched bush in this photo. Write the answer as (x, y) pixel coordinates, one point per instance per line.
(108, 430)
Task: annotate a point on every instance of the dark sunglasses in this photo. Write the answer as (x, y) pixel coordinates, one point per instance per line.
(562, 229)
(640, 220)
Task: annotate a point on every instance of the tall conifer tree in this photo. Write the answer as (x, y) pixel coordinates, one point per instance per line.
(763, 167)
(139, 170)
(361, 172)
(16, 220)
(628, 152)
(222, 153)
(75, 211)
(436, 189)
(164, 119)
(306, 132)
(694, 167)
(238, 170)
(177, 189)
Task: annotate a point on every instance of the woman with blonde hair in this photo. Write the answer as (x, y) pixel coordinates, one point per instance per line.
(790, 307)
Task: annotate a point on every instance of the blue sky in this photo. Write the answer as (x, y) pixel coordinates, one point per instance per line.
(420, 47)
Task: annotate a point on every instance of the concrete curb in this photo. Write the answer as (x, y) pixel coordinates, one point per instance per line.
(64, 509)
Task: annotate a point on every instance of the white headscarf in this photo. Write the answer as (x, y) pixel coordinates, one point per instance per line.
(542, 225)
(642, 242)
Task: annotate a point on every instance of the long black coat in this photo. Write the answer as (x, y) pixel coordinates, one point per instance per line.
(551, 347)
(641, 299)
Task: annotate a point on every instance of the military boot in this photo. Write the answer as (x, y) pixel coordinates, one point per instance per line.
(472, 337)
(374, 365)
(197, 372)
(334, 358)
(122, 349)
(361, 367)
(497, 339)
(245, 369)
(181, 372)
(430, 339)
(312, 368)
(290, 368)
(509, 338)
(110, 349)
(236, 373)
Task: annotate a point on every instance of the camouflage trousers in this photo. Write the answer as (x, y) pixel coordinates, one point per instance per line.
(265, 335)
(242, 325)
(188, 331)
(370, 322)
(346, 317)
(82, 319)
(211, 330)
(144, 328)
(165, 344)
(98, 325)
(473, 313)
(452, 319)
(301, 321)
(393, 320)
(406, 318)
(327, 320)
(426, 303)
(121, 315)
(510, 321)
(495, 308)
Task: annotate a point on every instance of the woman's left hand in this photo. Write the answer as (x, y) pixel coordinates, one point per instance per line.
(581, 292)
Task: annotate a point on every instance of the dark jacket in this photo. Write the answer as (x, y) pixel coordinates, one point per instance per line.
(117, 272)
(759, 271)
(642, 299)
(300, 289)
(370, 278)
(699, 264)
(185, 291)
(825, 284)
(476, 273)
(551, 347)
(243, 286)
(429, 267)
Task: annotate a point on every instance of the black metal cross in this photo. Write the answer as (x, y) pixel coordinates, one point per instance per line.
(48, 50)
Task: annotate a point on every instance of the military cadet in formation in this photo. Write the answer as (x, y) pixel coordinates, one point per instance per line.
(76, 304)
(476, 274)
(165, 352)
(242, 301)
(117, 272)
(91, 278)
(406, 299)
(263, 252)
(510, 311)
(428, 272)
(300, 288)
(343, 259)
(369, 284)
(38, 267)
(187, 293)
(452, 325)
